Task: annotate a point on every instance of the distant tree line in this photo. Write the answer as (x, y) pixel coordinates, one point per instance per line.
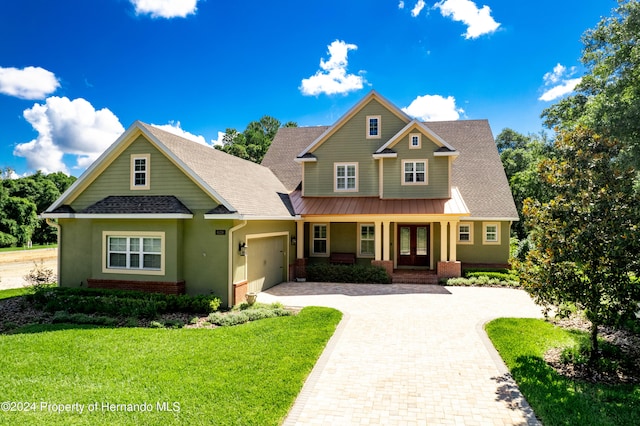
(22, 199)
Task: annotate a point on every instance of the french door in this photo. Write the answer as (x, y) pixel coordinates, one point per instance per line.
(413, 245)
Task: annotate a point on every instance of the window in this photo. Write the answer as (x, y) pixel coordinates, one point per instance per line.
(137, 253)
(319, 239)
(415, 141)
(140, 171)
(367, 240)
(491, 233)
(465, 233)
(346, 177)
(374, 126)
(415, 172)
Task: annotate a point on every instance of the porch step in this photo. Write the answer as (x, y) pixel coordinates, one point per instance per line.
(403, 276)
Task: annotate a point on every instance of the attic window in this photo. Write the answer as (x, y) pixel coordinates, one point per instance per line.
(140, 171)
(415, 141)
(374, 126)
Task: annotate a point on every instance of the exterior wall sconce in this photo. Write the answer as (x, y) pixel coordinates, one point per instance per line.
(293, 241)
(242, 248)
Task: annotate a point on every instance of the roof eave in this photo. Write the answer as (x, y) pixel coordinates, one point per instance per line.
(117, 215)
(385, 155)
(306, 160)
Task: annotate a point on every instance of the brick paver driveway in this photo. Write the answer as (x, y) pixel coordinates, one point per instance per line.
(409, 355)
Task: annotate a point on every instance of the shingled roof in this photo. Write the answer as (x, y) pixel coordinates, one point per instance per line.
(477, 172)
(138, 204)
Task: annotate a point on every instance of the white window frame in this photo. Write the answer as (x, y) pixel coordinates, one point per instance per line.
(146, 172)
(460, 232)
(485, 232)
(336, 166)
(312, 240)
(378, 135)
(360, 240)
(415, 161)
(107, 269)
(419, 137)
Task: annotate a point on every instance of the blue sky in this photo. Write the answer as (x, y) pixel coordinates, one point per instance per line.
(75, 73)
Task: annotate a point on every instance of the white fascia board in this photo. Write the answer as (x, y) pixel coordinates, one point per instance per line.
(385, 155)
(245, 217)
(446, 154)
(422, 127)
(117, 216)
(494, 219)
(305, 160)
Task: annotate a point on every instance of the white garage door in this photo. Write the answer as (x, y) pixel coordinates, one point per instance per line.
(266, 262)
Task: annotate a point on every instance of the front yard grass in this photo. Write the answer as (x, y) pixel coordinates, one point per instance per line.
(555, 399)
(244, 375)
(13, 292)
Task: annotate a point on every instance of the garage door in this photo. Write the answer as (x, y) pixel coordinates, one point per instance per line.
(265, 262)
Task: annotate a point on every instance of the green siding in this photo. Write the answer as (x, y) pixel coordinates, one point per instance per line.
(343, 238)
(165, 179)
(349, 144)
(437, 171)
(485, 253)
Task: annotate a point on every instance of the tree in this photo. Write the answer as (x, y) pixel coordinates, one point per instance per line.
(608, 97)
(520, 156)
(587, 238)
(253, 143)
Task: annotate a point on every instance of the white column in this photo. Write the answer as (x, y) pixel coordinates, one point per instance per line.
(452, 241)
(386, 252)
(300, 239)
(443, 241)
(378, 239)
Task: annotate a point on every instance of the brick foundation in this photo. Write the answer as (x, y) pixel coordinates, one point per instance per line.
(386, 264)
(449, 269)
(301, 268)
(239, 292)
(166, 287)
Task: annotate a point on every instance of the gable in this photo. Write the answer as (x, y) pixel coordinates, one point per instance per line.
(165, 179)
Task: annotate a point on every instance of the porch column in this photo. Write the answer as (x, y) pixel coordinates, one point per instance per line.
(300, 239)
(452, 241)
(386, 252)
(378, 240)
(443, 241)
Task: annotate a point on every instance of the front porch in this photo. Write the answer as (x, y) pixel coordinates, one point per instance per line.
(414, 276)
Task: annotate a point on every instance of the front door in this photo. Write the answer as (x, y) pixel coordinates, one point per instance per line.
(413, 245)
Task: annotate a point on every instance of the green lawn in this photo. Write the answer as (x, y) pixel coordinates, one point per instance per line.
(555, 399)
(13, 292)
(34, 247)
(243, 375)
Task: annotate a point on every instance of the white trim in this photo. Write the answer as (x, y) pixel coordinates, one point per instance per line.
(385, 155)
(312, 238)
(484, 233)
(493, 219)
(306, 160)
(359, 230)
(419, 138)
(415, 124)
(134, 172)
(467, 242)
(235, 216)
(133, 234)
(415, 161)
(378, 134)
(446, 154)
(345, 177)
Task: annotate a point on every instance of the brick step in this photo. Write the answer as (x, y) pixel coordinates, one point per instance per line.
(414, 277)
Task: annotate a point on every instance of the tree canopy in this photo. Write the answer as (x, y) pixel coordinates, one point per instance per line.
(587, 237)
(252, 144)
(607, 99)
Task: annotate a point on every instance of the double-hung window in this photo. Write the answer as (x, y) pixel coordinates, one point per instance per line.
(346, 177)
(319, 239)
(414, 172)
(140, 171)
(142, 253)
(367, 240)
(465, 233)
(491, 233)
(374, 126)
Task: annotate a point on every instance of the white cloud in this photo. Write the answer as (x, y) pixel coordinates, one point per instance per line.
(67, 128)
(558, 83)
(417, 8)
(401, 5)
(165, 8)
(332, 78)
(478, 21)
(27, 83)
(174, 127)
(560, 90)
(219, 140)
(434, 108)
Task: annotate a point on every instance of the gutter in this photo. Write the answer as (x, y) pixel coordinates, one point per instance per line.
(230, 263)
(56, 225)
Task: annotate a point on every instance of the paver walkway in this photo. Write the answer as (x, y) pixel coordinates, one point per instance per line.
(409, 355)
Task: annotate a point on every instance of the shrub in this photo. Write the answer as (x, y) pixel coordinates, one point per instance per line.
(66, 317)
(481, 281)
(243, 314)
(497, 275)
(324, 272)
(40, 275)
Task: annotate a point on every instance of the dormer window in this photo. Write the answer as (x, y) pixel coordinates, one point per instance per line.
(374, 126)
(139, 171)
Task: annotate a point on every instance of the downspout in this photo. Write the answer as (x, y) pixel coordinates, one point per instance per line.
(56, 225)
(230, 267)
